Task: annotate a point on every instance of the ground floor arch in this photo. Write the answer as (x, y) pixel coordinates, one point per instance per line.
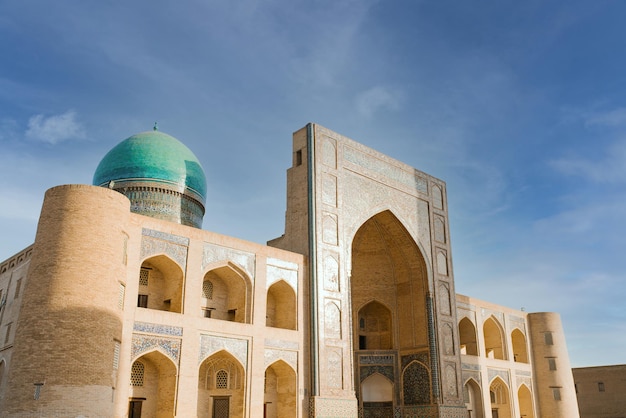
(152, 386)
(473, 399)
(221, 387)
(280, 391)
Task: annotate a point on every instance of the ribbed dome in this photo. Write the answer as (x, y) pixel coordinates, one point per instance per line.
(154, 162)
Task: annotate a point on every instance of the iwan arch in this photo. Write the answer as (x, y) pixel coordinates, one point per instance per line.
(124, 307)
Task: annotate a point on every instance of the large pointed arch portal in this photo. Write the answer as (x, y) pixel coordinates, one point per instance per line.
(389, 291)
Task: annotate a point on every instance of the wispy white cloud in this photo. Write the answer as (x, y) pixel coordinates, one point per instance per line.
(610, 168)
(54, 129)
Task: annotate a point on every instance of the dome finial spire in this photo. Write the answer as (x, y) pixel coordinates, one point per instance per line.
(155, 127)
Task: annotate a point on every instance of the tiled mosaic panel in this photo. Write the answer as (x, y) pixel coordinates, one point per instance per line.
(366, 371)
(158, 329)
(144, 343)
(377, 410)
(332, 408)
(416, 385)
(503, 374)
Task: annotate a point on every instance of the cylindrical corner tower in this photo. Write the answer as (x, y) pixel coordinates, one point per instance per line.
(160, 176)
(556, 393)
(67, 340)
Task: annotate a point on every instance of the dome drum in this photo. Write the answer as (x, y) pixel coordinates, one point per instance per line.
(160, 176)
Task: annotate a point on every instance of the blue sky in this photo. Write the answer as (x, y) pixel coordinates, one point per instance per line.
(519, 106)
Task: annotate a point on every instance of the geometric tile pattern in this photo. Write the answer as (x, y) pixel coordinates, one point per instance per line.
(332, 408)
(158, 329)
(144, 343)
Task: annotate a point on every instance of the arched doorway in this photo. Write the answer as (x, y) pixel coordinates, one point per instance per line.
(280, 391)
(152, 386)
(377, 396)
(221, 387)
(473, 399)
(525, 399)
(500, 399)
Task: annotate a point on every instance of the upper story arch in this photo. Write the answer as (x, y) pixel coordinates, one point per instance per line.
(375, 325)
(493, 332)
(226, 293)
(281, 307)
(468, 337)
(520, 347)
(161, 284)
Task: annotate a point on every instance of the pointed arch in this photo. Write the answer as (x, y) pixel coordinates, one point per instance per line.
(280, 390)
(467, 337)
(377, 396)
(375, 327)
(472, 396)
(520, 350)
(500, 398)
(387, 265)
(221, 375)
(161, 283)
(281, 311)
(416, 388)
(525, 401)
(376, 388)
(230, 293)
(494, 339)
(153, 378)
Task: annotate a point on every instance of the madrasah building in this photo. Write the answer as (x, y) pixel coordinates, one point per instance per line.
(125, 307)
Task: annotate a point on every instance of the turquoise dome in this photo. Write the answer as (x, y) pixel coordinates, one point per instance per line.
(160, 176)
(154, 157)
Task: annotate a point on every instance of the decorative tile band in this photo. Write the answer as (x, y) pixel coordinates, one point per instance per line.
(158, 329)
(389, 359)
(164, 236)
(332, 408)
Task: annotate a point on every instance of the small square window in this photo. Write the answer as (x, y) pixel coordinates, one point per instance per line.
(552, 363)
(142, 301)
(548, 338)
(600, 386)
(556, 392)
(144, 275)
